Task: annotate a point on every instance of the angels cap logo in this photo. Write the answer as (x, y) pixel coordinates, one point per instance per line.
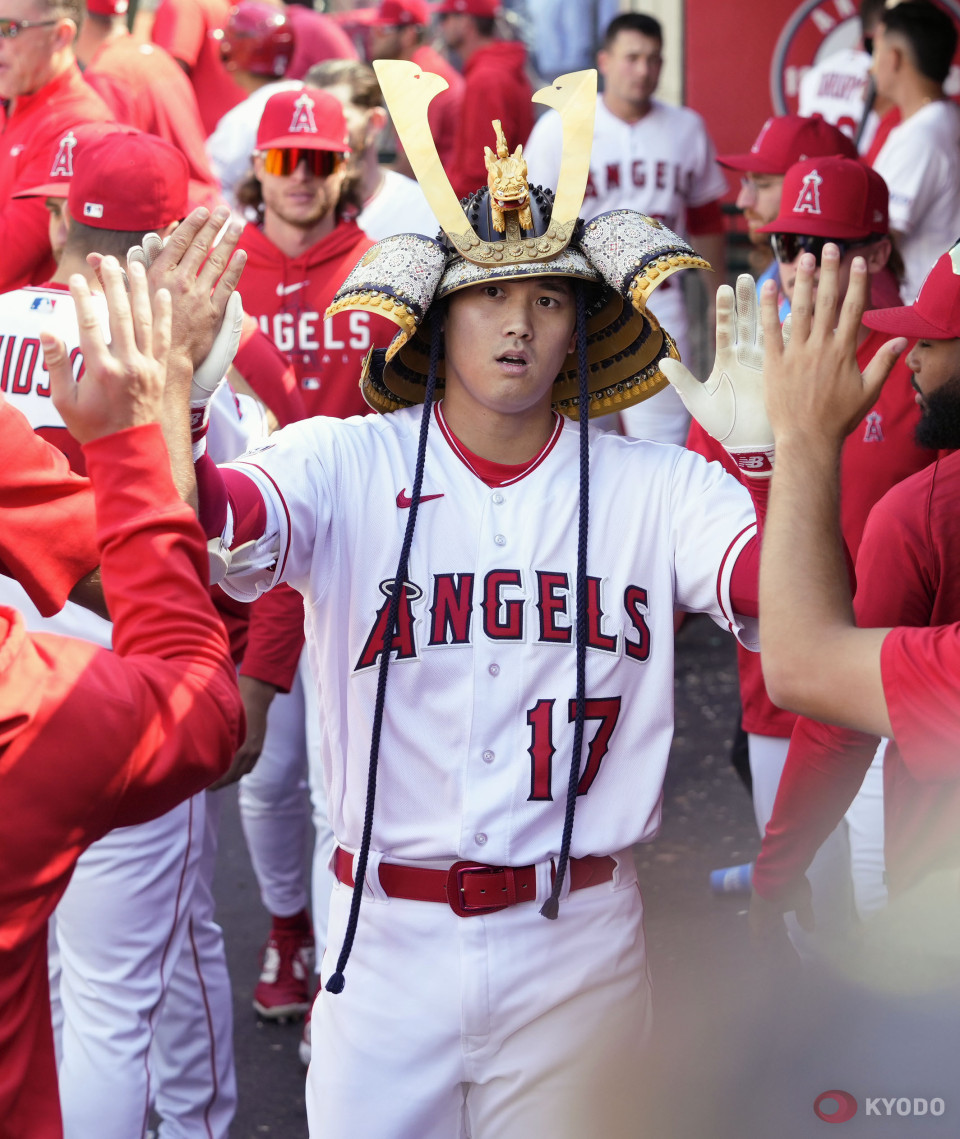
(808, 200)
(63, 160)
(303, 120)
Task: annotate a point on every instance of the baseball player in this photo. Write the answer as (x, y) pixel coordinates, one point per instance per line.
(516, 623)
(650, 157)
(841, 199)
(125, 920)
(920, 160)
(910, 539)
(42, 93)
(94, 739)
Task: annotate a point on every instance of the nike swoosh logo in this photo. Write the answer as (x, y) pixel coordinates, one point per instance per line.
(285, 290)
(405, 503)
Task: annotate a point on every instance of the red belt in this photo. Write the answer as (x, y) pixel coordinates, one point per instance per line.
(470, 888)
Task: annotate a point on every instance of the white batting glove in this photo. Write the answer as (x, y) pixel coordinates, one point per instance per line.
(729, 404)
(211, 372)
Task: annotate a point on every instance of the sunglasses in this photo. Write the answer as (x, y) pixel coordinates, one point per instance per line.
(10, 29)
(787, 247)
(284, 160)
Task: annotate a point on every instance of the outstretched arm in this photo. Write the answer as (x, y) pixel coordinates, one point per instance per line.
(815, 660)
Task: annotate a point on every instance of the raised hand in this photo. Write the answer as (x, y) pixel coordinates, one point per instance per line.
(729, 403)
(123, 382)
(813, 385)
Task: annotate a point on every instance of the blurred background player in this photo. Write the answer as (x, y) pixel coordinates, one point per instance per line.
(920, 160)
(783, 140)
(650, 157)
(390, 202)
(42, 93)
(145, 88)
(495, 86)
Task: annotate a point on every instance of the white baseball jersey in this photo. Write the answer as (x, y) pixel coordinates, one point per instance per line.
(835, 88)
(478, 728)
(659, 165)
(920, 162)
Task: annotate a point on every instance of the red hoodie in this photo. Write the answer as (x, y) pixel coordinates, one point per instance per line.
(495, 87)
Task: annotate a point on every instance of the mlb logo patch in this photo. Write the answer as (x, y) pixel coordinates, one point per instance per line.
(42, 304)
(92, 210)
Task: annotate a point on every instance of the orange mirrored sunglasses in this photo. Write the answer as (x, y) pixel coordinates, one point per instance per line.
(284, 160)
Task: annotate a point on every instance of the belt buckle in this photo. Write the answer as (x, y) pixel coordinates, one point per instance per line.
(455, 889)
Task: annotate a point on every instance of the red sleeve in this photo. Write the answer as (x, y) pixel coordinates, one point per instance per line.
(180, 28)
(171, 651)
(117, 95)
(707, 218)
(216, 490)
(269, 373)
(275, 638)
(24, 236)
(40, 497)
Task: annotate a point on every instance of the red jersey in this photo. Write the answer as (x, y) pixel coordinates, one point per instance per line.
(185, 28)
(28, 143)
(289, 295)
(877, 454)
(40, 496)
(905, 576)
(495, 87)
(445, 109)
(92, 739)
(145, 87)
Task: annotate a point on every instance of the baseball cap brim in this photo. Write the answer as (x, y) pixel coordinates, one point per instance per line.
(905, 321)
(50, 190)
(801, 223)
(304, 142)
(750, 164)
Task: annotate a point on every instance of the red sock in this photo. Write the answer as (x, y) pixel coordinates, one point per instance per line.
(296, 923)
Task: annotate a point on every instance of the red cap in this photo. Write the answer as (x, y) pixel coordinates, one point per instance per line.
(832, 197)
(787, 139)
(108, 7)
(392, 14)
(258, 38)
(935, 314)
(307, 118)
(129, 180)
(470, 7)
(69, 146)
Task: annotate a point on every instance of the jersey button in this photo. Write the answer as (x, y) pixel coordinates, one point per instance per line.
(480, 838)
(494, 669)
(488, 756)
(500, 539)
(498, 498)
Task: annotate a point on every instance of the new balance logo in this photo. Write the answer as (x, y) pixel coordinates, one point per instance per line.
(404, 502)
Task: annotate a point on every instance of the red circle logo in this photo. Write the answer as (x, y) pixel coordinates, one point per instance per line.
(835, 1107)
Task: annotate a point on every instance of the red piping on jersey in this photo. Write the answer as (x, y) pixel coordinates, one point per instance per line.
(723, 562)
(489, 472)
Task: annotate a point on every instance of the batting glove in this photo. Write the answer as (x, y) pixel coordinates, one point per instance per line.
(729, 404)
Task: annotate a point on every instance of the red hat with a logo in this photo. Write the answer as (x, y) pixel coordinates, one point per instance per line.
(832, 197)
(935, 314)
(107, 7)
(306, 118)
(129, 180)
(787, 139)
(468, 7)
(392, 14)
(69, 146)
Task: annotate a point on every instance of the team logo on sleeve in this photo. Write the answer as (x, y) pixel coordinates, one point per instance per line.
(303, 120)
(808, 201)
(63, 160)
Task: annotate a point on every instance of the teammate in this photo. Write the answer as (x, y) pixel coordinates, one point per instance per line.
(495, 85)
(400, 29)
(920, 161)
(783, 140)
(187, 30)
(653, 158)
(145, 88)
(94, 739)
(129, 912)
(833, 198)
(510, 1025)
(392, 203)
(43, 94)
(902, 579)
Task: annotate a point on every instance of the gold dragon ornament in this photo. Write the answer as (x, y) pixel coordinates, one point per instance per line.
(509, 192)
